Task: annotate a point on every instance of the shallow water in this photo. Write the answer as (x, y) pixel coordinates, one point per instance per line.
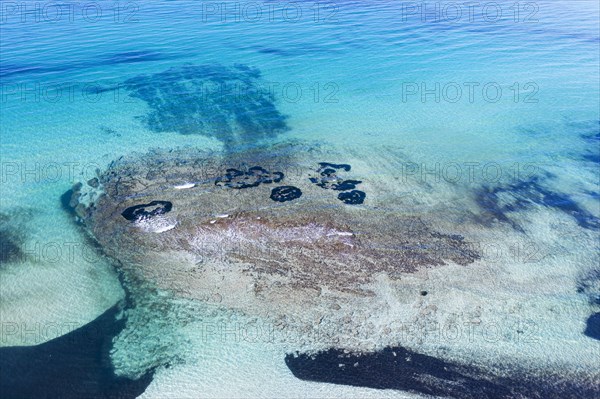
(485, 126)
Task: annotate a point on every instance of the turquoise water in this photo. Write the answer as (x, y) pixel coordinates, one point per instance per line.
(457, 104)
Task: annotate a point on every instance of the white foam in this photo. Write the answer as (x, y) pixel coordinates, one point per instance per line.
(157, 224)
(340, 233)
(184, 186)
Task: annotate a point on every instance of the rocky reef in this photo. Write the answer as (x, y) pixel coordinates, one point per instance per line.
(255, 227)
(318, 251)
(229, 103)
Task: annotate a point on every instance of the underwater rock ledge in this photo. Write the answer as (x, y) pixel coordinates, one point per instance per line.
(276, 246)
(313, 272)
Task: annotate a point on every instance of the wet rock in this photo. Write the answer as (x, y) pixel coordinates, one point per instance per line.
(93, 182)
(79, 200)
(317, 236)
(285, 193)
(70, 198)
(147, 211)
(353, 197)
(81, 211)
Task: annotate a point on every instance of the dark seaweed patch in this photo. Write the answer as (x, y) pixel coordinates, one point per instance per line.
(592, 328)
(591, 130)
(402, 369)
(253, 177)
(285, 193)
(346, 185)
(591, 134)
(590, 285)
(353, 197)
(147, 211)
(593, 194)
(229, 104)
(328, 178)
(7, 70)
(68, 200)
(499, 202)
(343, 166)
(592, 157)
(11, 240)
(395, 368)
(75, 365)
(10, 248)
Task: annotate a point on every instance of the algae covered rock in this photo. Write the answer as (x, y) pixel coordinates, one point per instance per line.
(254, 227)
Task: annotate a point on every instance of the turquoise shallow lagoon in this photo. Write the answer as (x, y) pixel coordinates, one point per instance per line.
(480, 119)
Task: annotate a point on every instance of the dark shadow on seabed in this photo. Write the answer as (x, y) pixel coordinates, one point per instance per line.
(75, 365)
(592, 328)
(233, 105)
(401, 369)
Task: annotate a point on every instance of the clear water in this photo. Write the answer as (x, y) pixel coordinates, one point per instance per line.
(357, 75)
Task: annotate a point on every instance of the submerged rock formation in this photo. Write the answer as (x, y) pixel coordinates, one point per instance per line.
(252, 243)
(179, 219)
(231, 104)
